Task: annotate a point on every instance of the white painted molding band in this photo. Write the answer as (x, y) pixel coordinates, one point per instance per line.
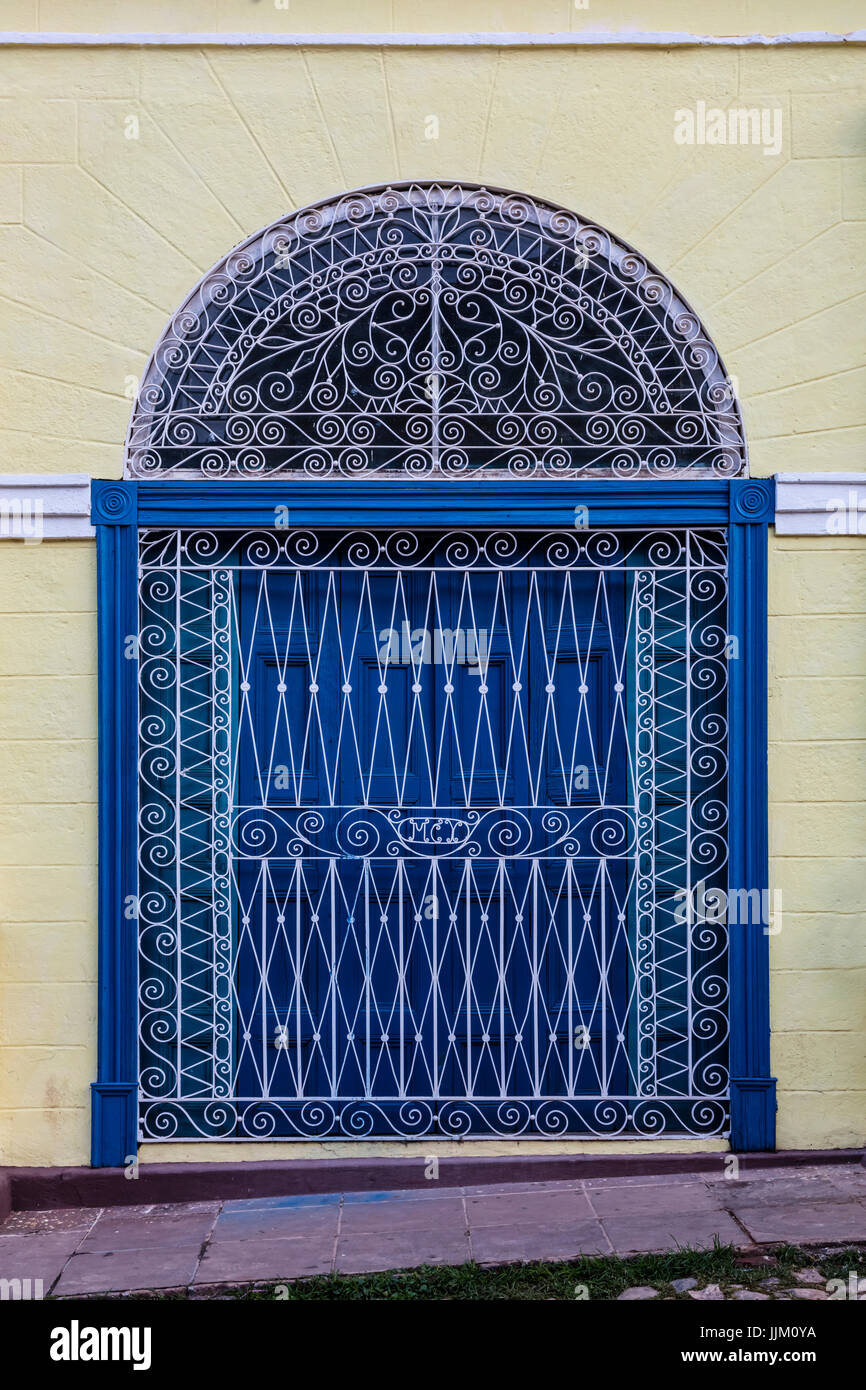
(586, 39)
(44, 506)
(820, 504)
(56, 506)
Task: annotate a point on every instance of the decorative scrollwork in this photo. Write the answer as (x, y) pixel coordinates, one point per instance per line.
(291, 946)
(404, 549)
(693, 1117)
(432, 329)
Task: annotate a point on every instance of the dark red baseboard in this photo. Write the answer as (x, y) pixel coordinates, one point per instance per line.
(32, 1189)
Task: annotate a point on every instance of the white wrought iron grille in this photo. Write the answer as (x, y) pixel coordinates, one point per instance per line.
(435, 330)
(423, 823)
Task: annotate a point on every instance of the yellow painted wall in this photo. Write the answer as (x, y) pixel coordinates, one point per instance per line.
(102, 236)
(430, 16)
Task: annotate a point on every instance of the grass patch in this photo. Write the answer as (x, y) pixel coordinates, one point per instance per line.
(605, 1277)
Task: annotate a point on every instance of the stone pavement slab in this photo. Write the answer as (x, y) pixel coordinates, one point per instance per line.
(494, 1189)
(115, 1230)
(311, 1223)
(36, 1256)
(443, 1214)
(366, 1251)
(114, 1271)
(655, 1231)
(433, 1193)
(636, 1200)
(798, 1221)
(298, 1201)
(647, 1180)
(503, 1244)
(529, 1208)
(199, 1244)
(54, 1221)
(249, 1261)
(755, 1193)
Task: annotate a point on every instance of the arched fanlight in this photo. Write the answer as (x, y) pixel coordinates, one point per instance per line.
(435, 330)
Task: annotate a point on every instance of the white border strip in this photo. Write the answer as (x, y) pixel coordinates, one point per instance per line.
(44, 506)
(820, 504)
(56, 506)
(587, 39)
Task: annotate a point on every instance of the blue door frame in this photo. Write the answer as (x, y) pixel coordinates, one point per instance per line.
(744, 507)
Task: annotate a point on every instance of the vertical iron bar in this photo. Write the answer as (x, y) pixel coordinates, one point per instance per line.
(502, 1068)
(569, 869)
(602, 871)
(468, 969)
(333, 883)
(367, 978)
(299, 872)
(401, 991)
(435, 981)
(536, 1080)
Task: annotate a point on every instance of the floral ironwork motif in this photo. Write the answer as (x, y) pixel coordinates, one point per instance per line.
(435, 330)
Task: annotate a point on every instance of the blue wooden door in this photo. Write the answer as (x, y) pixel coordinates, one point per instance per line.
(433, 890)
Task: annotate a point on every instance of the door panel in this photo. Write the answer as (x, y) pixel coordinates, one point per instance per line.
(431, 765)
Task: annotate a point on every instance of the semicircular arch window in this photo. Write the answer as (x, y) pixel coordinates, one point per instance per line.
(435, 330)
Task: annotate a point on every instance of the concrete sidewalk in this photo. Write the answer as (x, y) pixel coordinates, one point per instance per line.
(89, 1251)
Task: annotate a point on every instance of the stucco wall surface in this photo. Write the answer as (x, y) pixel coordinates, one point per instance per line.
(718, 17)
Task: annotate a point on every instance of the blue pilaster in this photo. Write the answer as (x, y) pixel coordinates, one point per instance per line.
(114, 1093)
